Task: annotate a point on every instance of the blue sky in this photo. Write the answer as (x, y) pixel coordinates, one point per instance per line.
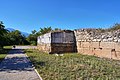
(27, 15)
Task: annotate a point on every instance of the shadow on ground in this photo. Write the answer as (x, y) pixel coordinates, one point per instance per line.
(16, 60)
(16, 51)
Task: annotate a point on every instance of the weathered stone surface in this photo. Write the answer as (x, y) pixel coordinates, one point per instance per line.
(97, 35)
(117, 46)
(86, 41)
(44, 47)
(97, 52)
(101, 44)
(109, 45)
(85, 44)
(57, 42)
(95, 44)
(61, 48)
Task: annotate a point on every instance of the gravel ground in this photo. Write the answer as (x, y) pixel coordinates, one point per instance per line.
(16, 66)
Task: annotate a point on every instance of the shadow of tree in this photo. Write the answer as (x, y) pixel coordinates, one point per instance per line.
(16, 51)
(19, 63)
(16, 63)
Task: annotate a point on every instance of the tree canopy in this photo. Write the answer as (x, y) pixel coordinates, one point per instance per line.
(3, 32)
(32, 38)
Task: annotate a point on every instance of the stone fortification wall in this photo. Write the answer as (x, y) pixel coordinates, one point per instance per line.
(44, 42)
(57, 42)
(98, 43)
(63, 41)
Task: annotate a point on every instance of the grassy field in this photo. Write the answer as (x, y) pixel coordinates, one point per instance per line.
(74, 67)
(4, 52)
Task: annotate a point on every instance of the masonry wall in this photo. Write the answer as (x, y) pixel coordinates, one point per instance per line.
(57, 42)
(62, 42)
(44, 42)
(100, 49)
(84, 41)
(62, 47)
(94, 42)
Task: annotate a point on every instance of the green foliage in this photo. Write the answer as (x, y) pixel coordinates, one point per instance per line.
(44, 30)
(16, 38)
(32, 38)
(7, 47)
(3, 32)
(11, 38)
(57, 29)
(74, 66)
(101, 30)
(4, 52)
(2, 56)
(114, 27)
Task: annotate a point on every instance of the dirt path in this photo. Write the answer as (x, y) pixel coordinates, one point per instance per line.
(16, 66)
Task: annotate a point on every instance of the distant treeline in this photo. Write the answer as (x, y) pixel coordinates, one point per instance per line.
(16, 38)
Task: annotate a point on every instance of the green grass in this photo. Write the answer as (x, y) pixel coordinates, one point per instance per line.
(2, 56)
(4, 51)
(7, 47)
(74, 67)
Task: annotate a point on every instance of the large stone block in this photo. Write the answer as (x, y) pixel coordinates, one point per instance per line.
(117, 46)
(62, 48)
(108, 45)
(98, 52)
(118, 55)
(79, 44)
(88, 51)
(85, 44)
(115, 55)
(106, 53)
(44, 47)
(95, 44)
(80, 50)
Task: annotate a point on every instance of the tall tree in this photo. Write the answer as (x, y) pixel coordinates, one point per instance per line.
(16, 38)
(3, 32)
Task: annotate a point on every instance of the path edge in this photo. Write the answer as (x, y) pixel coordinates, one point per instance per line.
(34, 69)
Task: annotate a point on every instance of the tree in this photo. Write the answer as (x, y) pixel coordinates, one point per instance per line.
(57, 29)
(16, 38)
(32, 38)
(34, 32)
(44, 30)
(114, 27)
(3, 32)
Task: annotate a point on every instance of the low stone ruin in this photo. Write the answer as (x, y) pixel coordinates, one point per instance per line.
(57, 42)
(101, 44)
(84, 41)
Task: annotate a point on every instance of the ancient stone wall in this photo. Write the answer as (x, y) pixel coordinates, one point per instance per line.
(44, 47)
(101, 44)
(57, 42)
(87, 41)
(62, 47)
